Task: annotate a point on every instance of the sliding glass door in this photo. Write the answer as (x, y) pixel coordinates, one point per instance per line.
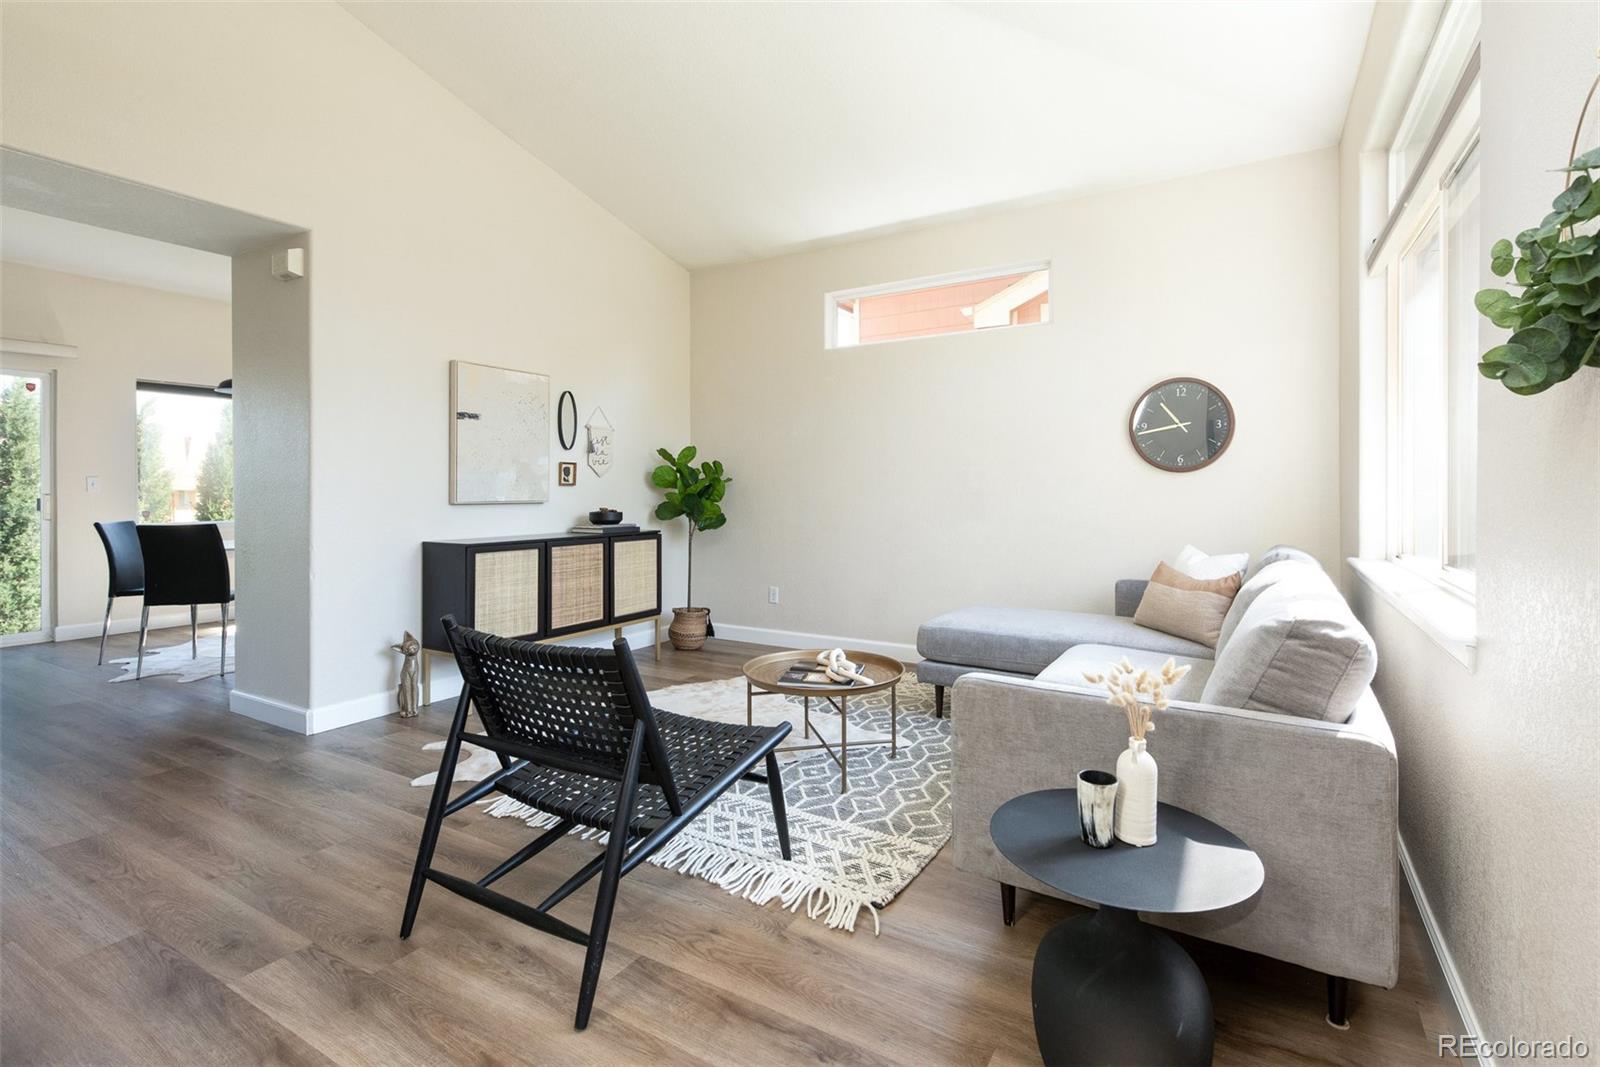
(26, 512)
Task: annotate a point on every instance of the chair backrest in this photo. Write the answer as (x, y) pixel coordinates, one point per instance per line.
(184, 563)
(575, 707)
(124, 560)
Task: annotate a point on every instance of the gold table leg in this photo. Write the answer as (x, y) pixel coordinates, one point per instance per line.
(427, 677)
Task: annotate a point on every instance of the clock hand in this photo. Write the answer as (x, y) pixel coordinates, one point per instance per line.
(1173, 417)
(1175, 426)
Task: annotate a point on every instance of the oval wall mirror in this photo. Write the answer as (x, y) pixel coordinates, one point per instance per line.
(567, 431)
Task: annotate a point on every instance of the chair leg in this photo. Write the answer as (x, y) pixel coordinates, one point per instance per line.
(606, 897)
(222, 667)
(194, 631)
(938, 702)
(780, 813)
(1008, 904)
(144, 627)
(436, 806)
(104, 627)
(1338, 1002)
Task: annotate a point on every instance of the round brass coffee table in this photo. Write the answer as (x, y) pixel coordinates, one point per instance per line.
(761, 678)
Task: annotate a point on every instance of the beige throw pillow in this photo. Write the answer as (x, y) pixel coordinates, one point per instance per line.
(1193, 608)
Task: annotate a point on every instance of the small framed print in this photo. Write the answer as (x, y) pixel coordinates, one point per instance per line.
(566, 474)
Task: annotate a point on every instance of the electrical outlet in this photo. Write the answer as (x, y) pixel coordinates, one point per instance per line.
(91, 483)
(772, 594)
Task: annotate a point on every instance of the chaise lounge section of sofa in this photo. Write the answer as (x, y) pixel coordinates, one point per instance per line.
(1275, 734)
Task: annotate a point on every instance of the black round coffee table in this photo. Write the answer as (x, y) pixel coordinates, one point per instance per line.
(1108, 988)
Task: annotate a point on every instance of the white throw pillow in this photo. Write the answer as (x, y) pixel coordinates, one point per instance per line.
(1196, 564)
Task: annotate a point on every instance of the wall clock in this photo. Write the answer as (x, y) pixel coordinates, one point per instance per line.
(1181, 424)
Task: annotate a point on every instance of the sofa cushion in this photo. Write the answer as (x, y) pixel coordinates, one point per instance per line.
(1297, 650)
(1186, 607)
(1276, 554)
(1068, 667)
(1304, 570)
(1025, 640)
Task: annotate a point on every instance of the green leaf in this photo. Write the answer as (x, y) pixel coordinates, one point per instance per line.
(717, 522)
(668, 456)
(1590, 160)
(1590, 206)
(1501, 248)
(1514, 366)
(1574, 194)
(664, 477)
(1501, 265)
(686, 457)
(667, 511)
(1498, 306)
(1547, 339)
(1577, 271)
(1592, 306)
(689, 475)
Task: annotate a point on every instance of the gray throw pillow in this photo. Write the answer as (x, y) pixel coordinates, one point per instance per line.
(1297, 650)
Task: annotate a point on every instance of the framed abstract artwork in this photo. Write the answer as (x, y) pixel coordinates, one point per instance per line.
(499, 435)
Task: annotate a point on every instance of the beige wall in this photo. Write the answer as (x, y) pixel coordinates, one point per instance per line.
(880, 485)
(124, 333)
(434, 238)
(1499, 766)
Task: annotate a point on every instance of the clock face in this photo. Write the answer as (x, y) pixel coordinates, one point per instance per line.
(1181, 424)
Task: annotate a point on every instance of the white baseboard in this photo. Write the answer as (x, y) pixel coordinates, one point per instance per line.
(445, 685)
(1447, 963)
(160, 619)
(760, 635)
(289, 717)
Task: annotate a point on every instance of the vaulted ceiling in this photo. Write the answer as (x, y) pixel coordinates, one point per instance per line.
(723, 132)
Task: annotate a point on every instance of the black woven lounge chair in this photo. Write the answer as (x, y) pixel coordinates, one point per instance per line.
(577, 739)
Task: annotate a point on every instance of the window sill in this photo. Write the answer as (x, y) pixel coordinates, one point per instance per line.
(1448, 620)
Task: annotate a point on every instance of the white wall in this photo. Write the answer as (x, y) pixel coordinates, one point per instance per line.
(435, 237)
(1499, 766)
(124, 333)
(880, 485)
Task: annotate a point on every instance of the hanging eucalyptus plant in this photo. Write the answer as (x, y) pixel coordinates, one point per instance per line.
(1555, 322)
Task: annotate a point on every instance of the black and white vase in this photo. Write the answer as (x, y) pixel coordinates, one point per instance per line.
(1097, 803)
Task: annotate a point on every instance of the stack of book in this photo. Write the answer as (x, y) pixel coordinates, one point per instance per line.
(614, 528)
(809, 673)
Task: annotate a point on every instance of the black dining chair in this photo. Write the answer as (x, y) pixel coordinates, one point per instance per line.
(184, 563)
(124, 568)
(577, 739)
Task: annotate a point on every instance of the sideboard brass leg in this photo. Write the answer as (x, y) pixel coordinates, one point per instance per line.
(427, 677)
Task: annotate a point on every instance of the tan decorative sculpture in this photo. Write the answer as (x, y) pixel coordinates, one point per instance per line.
(410, 648)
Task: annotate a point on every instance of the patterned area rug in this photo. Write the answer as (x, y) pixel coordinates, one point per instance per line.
(852, 851)
(179, 660)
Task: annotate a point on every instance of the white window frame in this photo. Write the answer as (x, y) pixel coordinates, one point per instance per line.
(1411, 220)
(831, 300)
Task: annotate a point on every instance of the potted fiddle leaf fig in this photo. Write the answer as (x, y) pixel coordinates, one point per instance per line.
(695, 494)
(1555, 321)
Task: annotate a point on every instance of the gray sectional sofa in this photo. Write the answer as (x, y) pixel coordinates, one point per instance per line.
(1275, 734)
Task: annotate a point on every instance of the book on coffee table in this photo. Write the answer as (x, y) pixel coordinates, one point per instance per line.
(811, 673)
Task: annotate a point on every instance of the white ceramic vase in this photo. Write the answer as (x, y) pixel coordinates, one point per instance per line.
(1136, 795)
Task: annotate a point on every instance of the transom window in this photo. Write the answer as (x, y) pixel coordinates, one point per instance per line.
(928, 307)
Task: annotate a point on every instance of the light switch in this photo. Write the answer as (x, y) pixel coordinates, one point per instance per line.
(91, 484)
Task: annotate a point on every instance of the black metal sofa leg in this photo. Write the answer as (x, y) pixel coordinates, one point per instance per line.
(938, 702)
(780, 814)
(1338, 1002)
(1008, 904)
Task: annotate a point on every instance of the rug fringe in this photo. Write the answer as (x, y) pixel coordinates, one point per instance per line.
(759, 881)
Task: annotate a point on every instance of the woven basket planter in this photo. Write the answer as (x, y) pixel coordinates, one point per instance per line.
(688, 629)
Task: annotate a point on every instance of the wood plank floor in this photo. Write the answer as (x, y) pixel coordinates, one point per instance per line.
(182, 885)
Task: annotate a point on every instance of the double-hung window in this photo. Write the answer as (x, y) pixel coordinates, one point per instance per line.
(1430, 256)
